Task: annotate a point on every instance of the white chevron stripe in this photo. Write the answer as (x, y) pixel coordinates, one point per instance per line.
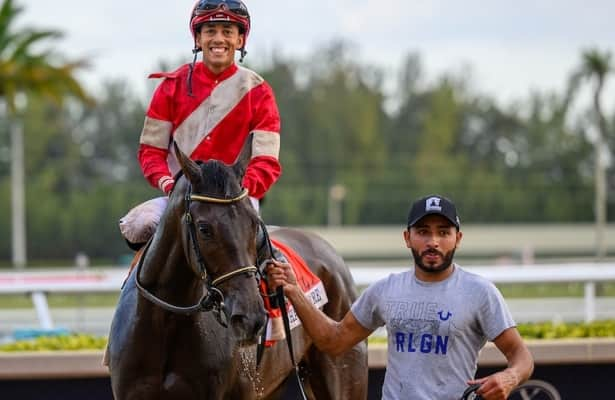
(223, 99)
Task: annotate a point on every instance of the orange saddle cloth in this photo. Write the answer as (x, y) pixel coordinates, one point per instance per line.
(308, 282)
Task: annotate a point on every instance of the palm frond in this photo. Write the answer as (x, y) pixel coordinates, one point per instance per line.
(26, 68)
(596, 62)
(8, 13)
(23, 43)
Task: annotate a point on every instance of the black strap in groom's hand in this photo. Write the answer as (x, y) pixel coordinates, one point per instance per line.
(289, 340)
(281, 303)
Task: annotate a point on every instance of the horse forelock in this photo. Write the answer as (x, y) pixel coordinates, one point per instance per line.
(219, 179)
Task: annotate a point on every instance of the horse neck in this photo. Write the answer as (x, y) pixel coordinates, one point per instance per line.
(165, 268)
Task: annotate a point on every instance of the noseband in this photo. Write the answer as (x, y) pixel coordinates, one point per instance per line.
(212, 299)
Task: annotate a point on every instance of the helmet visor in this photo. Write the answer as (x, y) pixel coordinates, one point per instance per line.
(234, 6)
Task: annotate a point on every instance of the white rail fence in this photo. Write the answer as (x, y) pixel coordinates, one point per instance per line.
(37, 284)
(586, 273)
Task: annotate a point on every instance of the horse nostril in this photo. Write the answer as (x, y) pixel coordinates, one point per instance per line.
(246, 327)
(238, 321)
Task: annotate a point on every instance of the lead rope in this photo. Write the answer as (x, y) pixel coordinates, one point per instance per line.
(289, 340)
(282, 305)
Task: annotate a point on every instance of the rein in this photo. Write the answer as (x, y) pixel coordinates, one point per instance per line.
(278, 300)
(212, 299)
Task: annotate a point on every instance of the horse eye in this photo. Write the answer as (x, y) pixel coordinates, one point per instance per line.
(206, 230)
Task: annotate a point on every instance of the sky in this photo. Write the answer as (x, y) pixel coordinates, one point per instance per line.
(512, 47)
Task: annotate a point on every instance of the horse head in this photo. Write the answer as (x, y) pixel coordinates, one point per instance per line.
(218, 236)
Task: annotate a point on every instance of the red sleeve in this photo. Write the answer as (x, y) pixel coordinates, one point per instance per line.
(156, 135)
(264, 169)
(154, 164)
(261, 174)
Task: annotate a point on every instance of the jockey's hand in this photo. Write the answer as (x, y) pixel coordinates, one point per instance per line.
(496, 386)
(281, 274)
(167, 185)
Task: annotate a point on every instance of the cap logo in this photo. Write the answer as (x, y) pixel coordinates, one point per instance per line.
(433, 204)
(219, 17)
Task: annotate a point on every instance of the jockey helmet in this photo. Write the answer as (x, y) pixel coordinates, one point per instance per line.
(221, 10)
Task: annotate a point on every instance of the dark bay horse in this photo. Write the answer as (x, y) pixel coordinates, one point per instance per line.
(190, 313)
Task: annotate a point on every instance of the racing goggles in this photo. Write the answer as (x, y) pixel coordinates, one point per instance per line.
(234, 6)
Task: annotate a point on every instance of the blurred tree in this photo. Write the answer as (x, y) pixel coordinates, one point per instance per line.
(527, 162)
(108, 135)
(331, 132)
(409, 104)
(84, 159)
(288, 200)
(437, 163)
(596, 66)
(25, 70)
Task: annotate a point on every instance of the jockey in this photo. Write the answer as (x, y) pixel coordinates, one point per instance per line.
(209, 108)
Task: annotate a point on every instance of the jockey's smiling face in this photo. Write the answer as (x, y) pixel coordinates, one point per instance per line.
(219, 41)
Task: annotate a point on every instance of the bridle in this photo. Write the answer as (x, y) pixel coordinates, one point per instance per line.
(212, 299)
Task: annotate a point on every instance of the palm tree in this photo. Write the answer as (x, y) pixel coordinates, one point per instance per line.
(25, 71)
(595, 67)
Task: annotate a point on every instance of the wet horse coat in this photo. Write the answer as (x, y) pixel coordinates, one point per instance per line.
(158, 353)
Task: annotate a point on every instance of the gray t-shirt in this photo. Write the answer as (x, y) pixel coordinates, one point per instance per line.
(435, 330)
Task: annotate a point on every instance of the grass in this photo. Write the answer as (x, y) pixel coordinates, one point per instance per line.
(545, 330)
(544, 290)
(541, 290)
(62, 301)
(509, 291)
(550, 330)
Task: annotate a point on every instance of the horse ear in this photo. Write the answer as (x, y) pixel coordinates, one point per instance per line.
(241, 163)
(190, 169)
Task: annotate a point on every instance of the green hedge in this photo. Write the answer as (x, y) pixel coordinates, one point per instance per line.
(62, 342)
(549, 330)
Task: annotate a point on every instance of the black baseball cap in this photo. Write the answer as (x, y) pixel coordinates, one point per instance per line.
(433, 204)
